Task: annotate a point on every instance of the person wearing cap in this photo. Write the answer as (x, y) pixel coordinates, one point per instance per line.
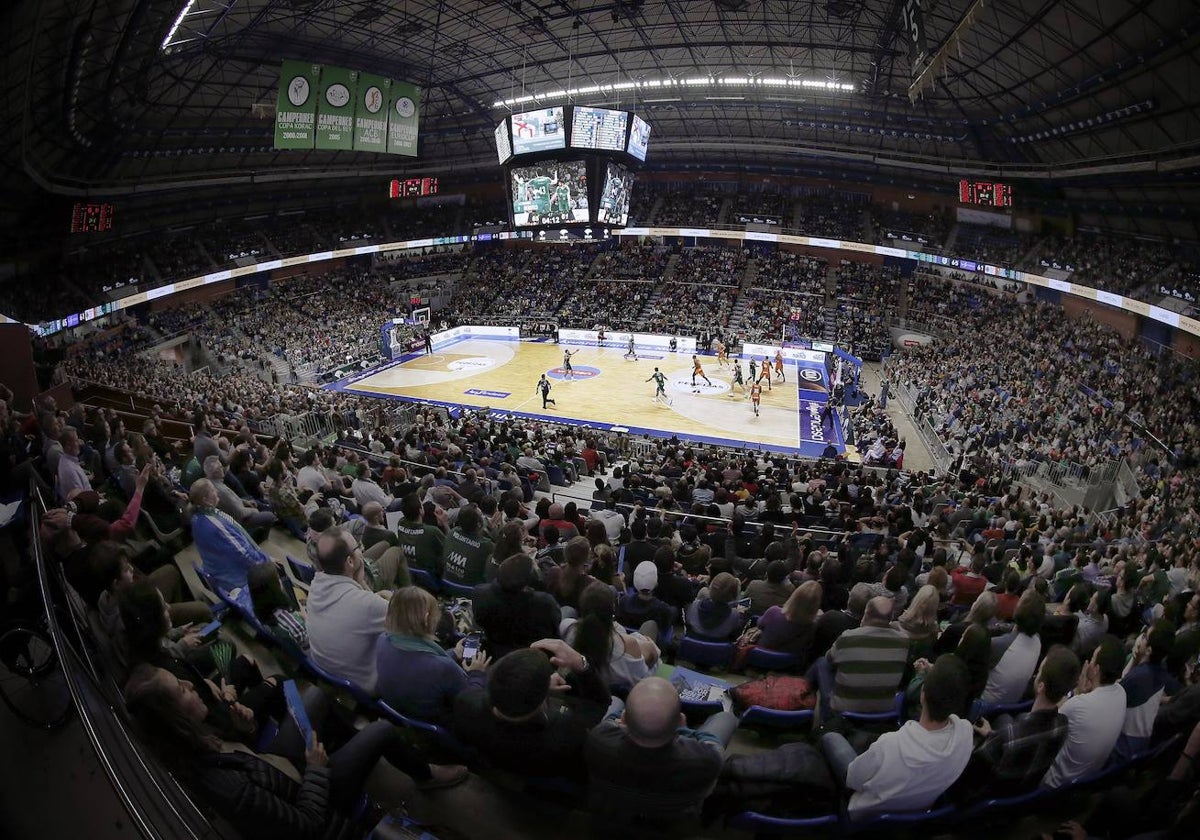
(534, 716)
(635, 608)
(511, 612)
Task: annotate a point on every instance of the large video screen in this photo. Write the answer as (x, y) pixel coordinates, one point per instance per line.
(550, 193)
(598, 128)
(538, 131)
(503, 144)
(614, 201)
(639, 138)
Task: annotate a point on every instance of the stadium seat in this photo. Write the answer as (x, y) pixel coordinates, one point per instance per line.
(456, 590)
(357, 692)
(890, 821)
(758, 824)
(425, 580)
(979, 709)
(775, 718)
(556, 477)
(894, 715)
(771, 660)
(711, 654)
(438, 734)
(303, 571)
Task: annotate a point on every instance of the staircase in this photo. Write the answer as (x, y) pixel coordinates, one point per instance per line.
(653, 298)
(798, 215)
(723, 213)
(951, 237)
(654, 208)
(829, 330)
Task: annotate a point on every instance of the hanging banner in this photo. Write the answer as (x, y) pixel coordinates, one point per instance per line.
(296, 106)
(404, 111)
(914, 27)
(370, 114)
(335, 108)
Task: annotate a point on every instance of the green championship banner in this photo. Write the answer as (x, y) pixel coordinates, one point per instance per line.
(404, 112)
(371, 113)
(296, 107)
(335, 108)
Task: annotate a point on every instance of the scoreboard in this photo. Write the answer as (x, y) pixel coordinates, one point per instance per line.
(412, 187)
(985, 193)
(598, 128)
(91, 217)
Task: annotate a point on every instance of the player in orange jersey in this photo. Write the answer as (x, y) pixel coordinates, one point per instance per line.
(755, 396)
(722, 354)
(764, 372)
(698, 371)
(779, 365)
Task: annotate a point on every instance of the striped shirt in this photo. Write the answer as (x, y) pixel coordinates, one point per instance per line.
(290, 625)
(868, 664)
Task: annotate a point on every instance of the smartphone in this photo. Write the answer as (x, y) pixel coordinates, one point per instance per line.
(209, 631)
(291, 695)
(743, 602)
(471, 647)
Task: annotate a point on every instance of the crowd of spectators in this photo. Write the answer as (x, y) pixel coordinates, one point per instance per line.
(895, 227)
(772, 206)
(991, 244)
(1116, 263)
(633, 262)
(687, 207)
(837, 215)
(615, 304)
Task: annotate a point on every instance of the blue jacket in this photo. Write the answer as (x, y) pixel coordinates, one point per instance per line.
(420, 683)
(226, 550)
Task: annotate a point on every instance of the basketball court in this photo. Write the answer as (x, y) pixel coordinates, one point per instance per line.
(608, 390)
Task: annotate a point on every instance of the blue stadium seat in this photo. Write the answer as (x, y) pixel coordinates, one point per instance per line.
(556, 476)
(979, 709)
(771, 660)
(894, 715)
(901, 820)
(456, 590)
(425, 580)
(765, 824)
(303, 570)
(356, 691)
(711, 654)
(776, 719)
(436, 733)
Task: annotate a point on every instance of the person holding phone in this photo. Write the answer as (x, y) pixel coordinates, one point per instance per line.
(416, 676)
(290, 788)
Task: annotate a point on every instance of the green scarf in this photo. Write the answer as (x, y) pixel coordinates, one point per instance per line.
(417, 644)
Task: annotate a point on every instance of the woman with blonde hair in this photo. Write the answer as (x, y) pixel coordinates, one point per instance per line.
(789, 629)
(416, 676)
(981, 613)
(920, 622)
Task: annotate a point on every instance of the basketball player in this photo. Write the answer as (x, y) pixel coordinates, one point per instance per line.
(632, 351)
(737, 378)
(698, 371)
(722, 358)
(568, 371)
(779, 365)
(544, 386)
(753, 370)
(755, 396)
(660, 382)
(764, 372)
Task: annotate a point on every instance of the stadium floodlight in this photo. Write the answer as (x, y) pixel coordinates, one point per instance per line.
(698, 81)
(175, 26)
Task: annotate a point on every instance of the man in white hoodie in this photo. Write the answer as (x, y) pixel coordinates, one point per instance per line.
(909, 769)
(344, 617)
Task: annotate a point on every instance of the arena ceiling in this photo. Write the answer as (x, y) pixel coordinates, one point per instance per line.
(110, 96)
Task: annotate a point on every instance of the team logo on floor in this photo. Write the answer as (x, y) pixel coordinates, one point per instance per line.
(577, 372)
(810, 375)
(681, 383)
(474, 363)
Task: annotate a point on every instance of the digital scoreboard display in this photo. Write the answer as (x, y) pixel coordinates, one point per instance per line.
(503, 144)
(538, 131)
(614, 198)
(598, 128)
(639, 138)
(985, 193)
(91, 217)
(412, 187)
(550, 193)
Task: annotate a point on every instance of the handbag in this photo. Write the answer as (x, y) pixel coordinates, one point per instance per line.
(744, 644)
(781, 692)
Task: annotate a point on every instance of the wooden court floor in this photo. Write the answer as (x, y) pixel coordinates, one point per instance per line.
(607, 390)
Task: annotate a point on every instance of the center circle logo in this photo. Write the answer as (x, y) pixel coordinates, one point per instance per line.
(476, 363)
(810, 375)
(578, 372)
(680, 382)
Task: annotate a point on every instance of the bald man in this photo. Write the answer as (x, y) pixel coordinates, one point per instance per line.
(864, 666)
(646, 766)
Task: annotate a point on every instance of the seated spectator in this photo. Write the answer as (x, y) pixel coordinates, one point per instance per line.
(713, 615)
(511, 612)
(920, 623)
(290, 789)
(1009, 679)
(981, 613)
(366, 490)
(833, 623)
(623, 658)
(415, 675)
(226, 550)
(422, 544)
(772, 592)
(274, 609)
(692, 554)
(1015, 755)
(969, 582)
(567, 582)
(863, 669)
(909, 769)
(635, 608)
(529, 720)
(674, 588)
(556, 516)
(1093, 624)
(376, 530)
(1095, 716)
(790, 628)
(257, 522)
(645, 767)
(467, 550)
(1010, 594)
(1146, 681)
(344, 617)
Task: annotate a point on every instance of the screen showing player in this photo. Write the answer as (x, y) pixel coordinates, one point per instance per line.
(614, 201)
(639, 138)
(550, 193)
(503, 144)
(598, 128)
(538, 131)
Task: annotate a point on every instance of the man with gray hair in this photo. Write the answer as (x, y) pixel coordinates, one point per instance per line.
(864, 666)
(226, 550)
(257, 522)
